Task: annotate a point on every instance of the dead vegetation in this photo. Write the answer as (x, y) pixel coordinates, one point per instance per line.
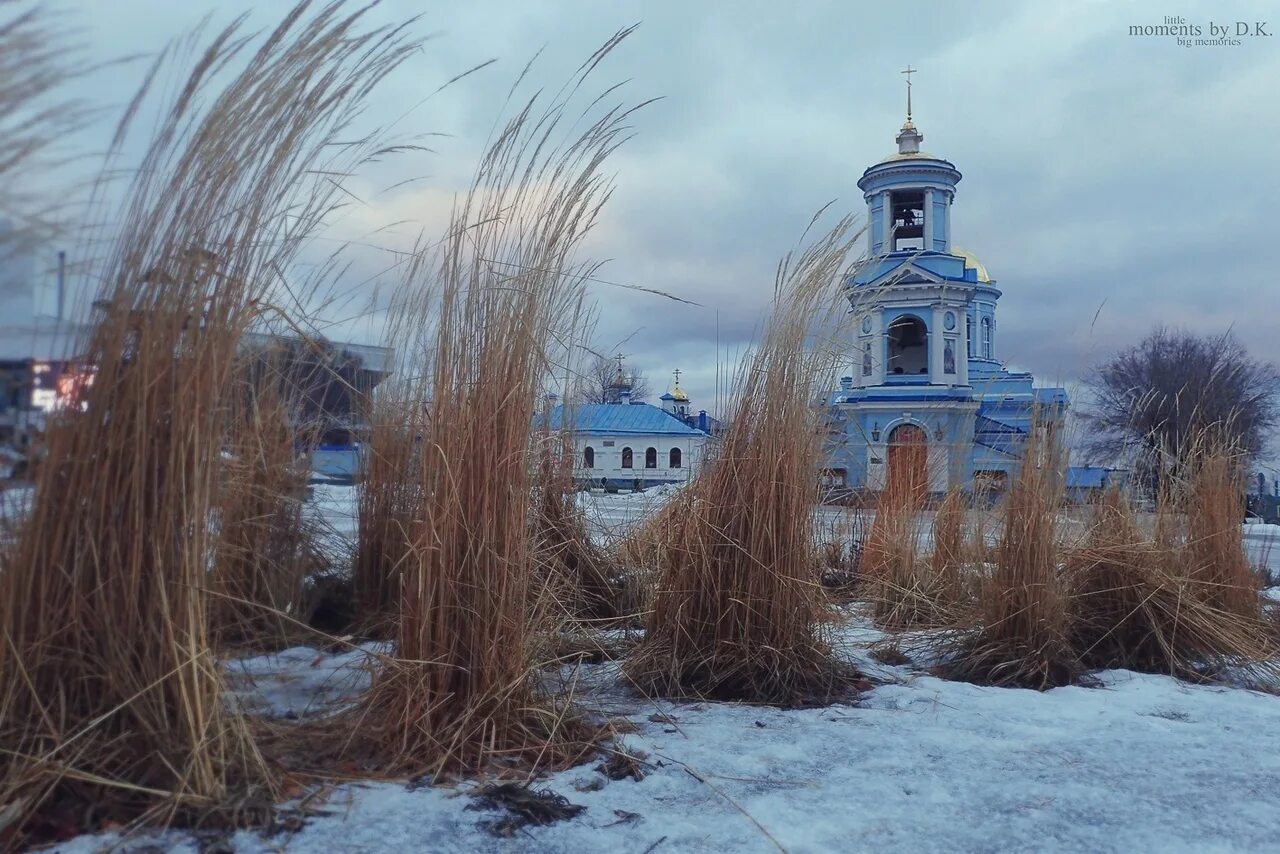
(735, 612)
(110, 697)
(265, 546)
(583, 579)
(485, 318)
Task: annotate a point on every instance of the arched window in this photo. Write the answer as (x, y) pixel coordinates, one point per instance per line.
(651, 458)
(673, 458)
(971, 346)
(908, 346)
(986, 338)
(588, 457)
(626, 458)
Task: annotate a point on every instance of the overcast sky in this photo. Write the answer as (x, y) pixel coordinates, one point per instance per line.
(1111, 182)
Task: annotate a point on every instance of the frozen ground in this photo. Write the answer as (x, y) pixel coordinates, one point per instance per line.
(1140, 763)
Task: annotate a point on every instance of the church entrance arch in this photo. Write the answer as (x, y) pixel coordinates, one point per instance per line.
(908, 458)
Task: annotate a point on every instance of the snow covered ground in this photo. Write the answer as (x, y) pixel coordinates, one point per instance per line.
(1140, 763)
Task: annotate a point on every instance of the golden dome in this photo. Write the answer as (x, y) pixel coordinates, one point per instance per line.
(679, 394)
(971, 262)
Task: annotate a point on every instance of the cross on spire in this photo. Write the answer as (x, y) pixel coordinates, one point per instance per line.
(677, 374)
(909, 71)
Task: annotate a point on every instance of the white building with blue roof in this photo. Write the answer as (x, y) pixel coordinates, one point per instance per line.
(628, 445)
(928, 396)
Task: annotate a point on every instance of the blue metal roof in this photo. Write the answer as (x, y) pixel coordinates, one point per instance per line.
(1087, 477)
(615, 419)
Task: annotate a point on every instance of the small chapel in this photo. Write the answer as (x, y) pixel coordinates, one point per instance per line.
(928, 397)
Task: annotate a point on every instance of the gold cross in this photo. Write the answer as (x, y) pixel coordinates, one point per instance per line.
(909, 71)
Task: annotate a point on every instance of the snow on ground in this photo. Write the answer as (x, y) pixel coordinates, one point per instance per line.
(1142, 763)
(301, 682)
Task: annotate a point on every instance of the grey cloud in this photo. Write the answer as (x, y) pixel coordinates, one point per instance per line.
(1101, 170)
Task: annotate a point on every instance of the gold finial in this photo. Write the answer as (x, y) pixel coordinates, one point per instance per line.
(909, 71)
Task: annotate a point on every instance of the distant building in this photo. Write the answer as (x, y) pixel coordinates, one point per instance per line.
(928, 396)
(631, 446)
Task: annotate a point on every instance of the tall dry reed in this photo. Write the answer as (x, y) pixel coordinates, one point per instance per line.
(265, 550)
(1213, 551)
(583, 577)
(111, 703)
(486, 317)
(1023, 639)
(1137, 604)
(735, 611)
(386, 502)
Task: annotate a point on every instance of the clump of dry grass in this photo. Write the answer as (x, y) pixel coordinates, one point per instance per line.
(387, 499)
(895, 576)
(1137, 604)
(841, 542)
(461, 693)
(583, 577)
(265, 550)
(1212, 506)
(735, 611)
(907, 588)
(111, 703)
(1024, 605)
(948, 558)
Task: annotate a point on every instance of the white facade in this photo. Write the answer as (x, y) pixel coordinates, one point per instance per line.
(607, 456)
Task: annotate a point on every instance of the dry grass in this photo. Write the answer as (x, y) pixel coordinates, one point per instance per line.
(387, 498)
(949, 549)
(265, 547)
(461, 693)
(1213, 550)
(841, 543)
(111, 703)
(1138, 604)
(1179, 598)
(736, 606)
(894, 573)
(584, 579)
(1025, 614)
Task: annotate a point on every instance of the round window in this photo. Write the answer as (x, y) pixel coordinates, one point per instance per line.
(866, 324)
(949, 320)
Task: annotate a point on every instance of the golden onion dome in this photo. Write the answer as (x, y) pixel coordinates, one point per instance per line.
(679, 394)
(971, 262)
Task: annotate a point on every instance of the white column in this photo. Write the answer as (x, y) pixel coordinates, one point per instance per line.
(887, 213)
(946, 223)
(928, 219)
(877, 349)
(936, 343)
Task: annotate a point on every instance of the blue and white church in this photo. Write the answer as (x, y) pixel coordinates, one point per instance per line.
(927, 391)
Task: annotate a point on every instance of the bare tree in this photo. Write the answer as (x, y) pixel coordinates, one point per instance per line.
(1161, 394)
(596, 383)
